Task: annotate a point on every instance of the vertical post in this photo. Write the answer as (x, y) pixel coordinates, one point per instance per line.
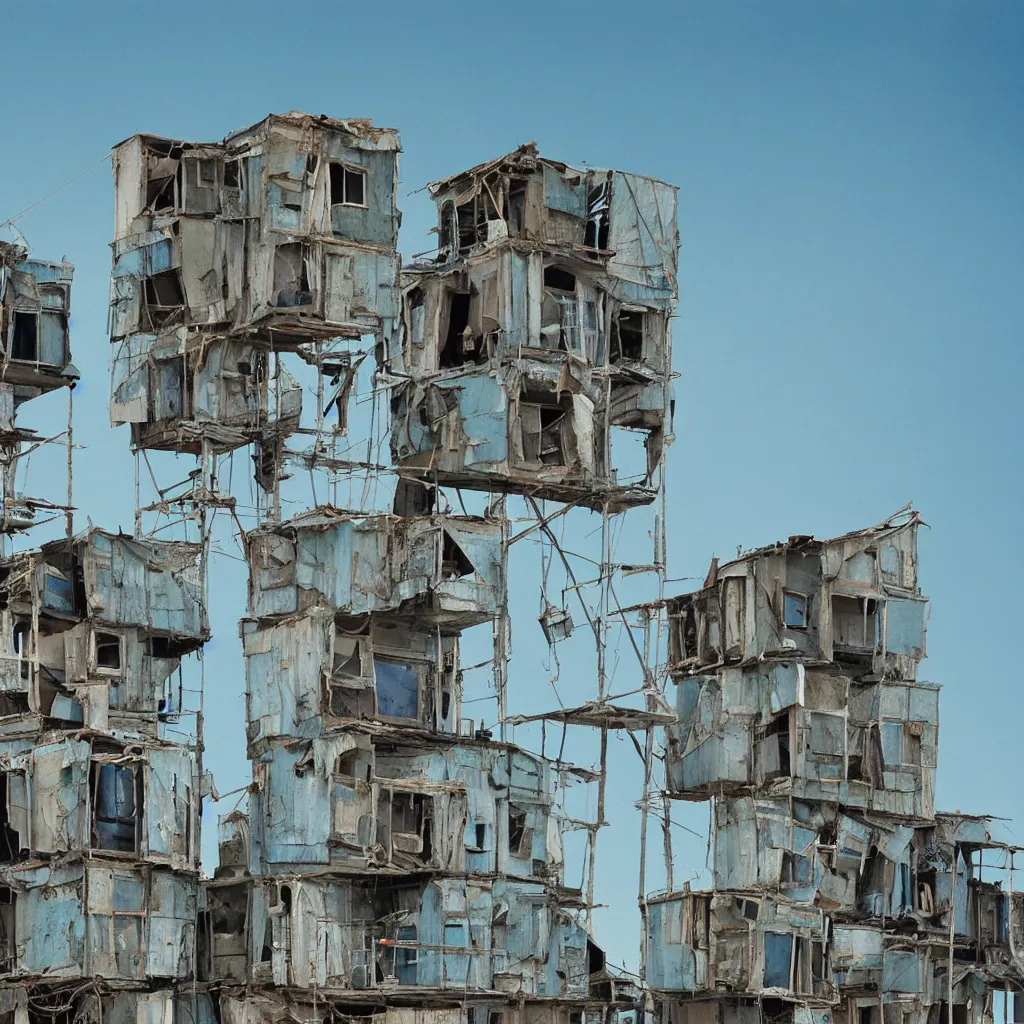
(642, 881)
(69, 515)
(952, 926)
(598, 821)
(138, 503)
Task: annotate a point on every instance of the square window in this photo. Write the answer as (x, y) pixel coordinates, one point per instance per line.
(794, 610)
(108, 652)
(347, 185)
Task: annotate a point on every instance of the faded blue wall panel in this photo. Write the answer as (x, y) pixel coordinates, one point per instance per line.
(483, 406)
(560, 195)
(901, 971)
(905, 626)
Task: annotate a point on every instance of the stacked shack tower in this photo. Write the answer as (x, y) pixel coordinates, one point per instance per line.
(395, 855)
(99, 776)
(837, 890)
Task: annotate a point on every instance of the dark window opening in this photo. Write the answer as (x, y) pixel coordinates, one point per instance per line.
(454, 563)
(448, 227)
(164, 298)
(291, 280)
(598, 201)
(595, 958)
(10, 841)
(228, 908)
(348, 764)
(13, 704)
(267, 947)
(24, 344)
(515, 206)
(796, 868)
(446, 704)
(207, 173)
(116, 807)
(167, 647)
(160, 194)
(20, 644)
(108, 651)
(627, 336)
(480, 839)
(348, 186)
(520, 838)
(556, 277)
(8, 931)
(231, 174)
(459, 346)
(544, 430)
(777, 733)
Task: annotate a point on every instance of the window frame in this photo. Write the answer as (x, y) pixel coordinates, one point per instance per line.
(347, 169)
(806, 605)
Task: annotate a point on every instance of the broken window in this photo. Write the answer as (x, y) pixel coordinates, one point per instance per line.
(416, 312)
(459, 345)
(116, 807)
(454, 563)
(350, 682)
(162, 185)
(627, 336)
(398, 689)
(348, 185)
(448, 228)
(410, 825)
(796, 869)
(164, 299)
(107, 652)
(775, 747)
(8, 932)
(20, 645)
(207, 173)
(598, 207)
(13, 814)
(232, 175)
(560, 319)
(853, 623)
(520, 837)
(545, 430)
(24, 341)
(515, 206)
(291, 278)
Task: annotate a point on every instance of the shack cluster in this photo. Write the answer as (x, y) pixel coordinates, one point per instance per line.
(396, 860)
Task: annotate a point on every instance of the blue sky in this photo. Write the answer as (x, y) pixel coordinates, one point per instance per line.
(852, 225)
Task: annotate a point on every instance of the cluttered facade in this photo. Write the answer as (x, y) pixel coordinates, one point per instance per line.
(396, 853)
(838, 891)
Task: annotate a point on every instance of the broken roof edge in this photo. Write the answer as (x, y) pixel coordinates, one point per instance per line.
(357, 127)
(323, 517)
(807, 542)
(528, 153)
(600, 714)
